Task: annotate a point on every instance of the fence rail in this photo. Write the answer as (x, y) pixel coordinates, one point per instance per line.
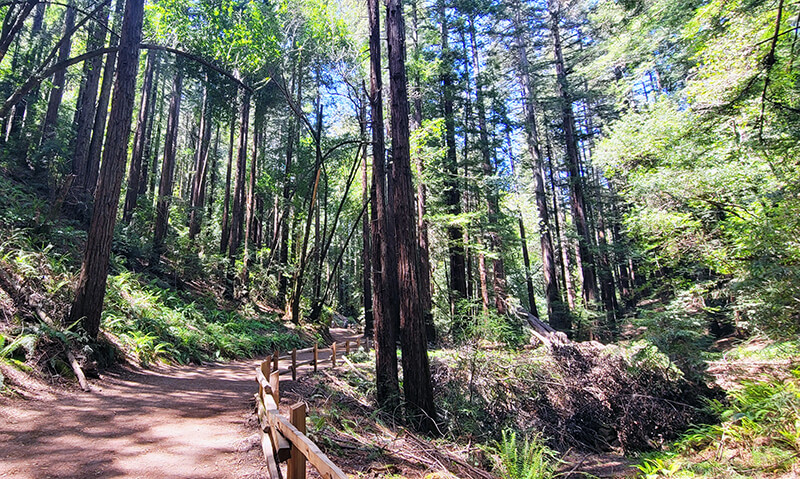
(284, 439)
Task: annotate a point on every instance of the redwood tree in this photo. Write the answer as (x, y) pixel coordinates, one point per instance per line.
(88, 304)
(416, 370)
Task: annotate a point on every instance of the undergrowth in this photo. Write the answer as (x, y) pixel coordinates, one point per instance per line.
(757, 435)
(157, 323)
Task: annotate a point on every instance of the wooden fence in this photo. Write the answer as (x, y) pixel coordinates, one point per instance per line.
(284, 439)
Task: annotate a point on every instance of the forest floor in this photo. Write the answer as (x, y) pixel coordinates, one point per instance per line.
(162, 422)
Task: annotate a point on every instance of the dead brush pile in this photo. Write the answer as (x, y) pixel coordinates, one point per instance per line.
(580, 395)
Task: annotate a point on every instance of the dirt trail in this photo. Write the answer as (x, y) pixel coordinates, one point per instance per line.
(171, 422)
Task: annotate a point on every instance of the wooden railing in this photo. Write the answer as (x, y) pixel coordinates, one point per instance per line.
(284, 439)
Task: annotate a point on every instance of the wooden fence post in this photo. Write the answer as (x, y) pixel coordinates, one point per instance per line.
(296, 468)
(275, 385)
(358, 343)
(347, 348)
(275, 356)
(294, 364)
(316, 356)
(333, 354)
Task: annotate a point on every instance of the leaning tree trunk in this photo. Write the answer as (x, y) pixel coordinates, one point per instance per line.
(88, 304)
(417, 385)
(385, 299)
(167, 183)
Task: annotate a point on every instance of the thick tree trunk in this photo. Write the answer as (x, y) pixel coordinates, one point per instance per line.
(134, 175)
(416, 370)
(577, 201)
(385, 300)
(90, 292)
(166, 185)
(527, 262)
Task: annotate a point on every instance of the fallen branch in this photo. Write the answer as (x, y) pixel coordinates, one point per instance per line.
(22, 300)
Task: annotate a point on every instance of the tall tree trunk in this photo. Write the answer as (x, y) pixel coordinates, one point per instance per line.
(527, 263)
(149, 154)
(200, 166)
(88, 181)
(87, 106)
(422, 194)
(226, 201)
(50, 121)
(166, 185)
(562, 246)
(366, 249)
(212, 182)
(577, 201)
(134, 175)
(416, 370)
(386, 297)
(237, 212)
(607, 292)
(556, 313)
(12, 23)
(492, 199)
(88, 304)
(455, 234)
(250, 213)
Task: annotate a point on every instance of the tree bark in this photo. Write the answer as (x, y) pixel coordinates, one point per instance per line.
(90, 292)
(366, 248)
(166, 185)
(134, 175)
(385, 300)
(416, 370)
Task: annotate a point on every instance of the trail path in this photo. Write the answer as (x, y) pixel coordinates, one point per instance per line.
(170, 422)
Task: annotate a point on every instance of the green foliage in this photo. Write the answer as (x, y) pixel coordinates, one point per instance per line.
(528, 459)
(157, 324)
(758, 433)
